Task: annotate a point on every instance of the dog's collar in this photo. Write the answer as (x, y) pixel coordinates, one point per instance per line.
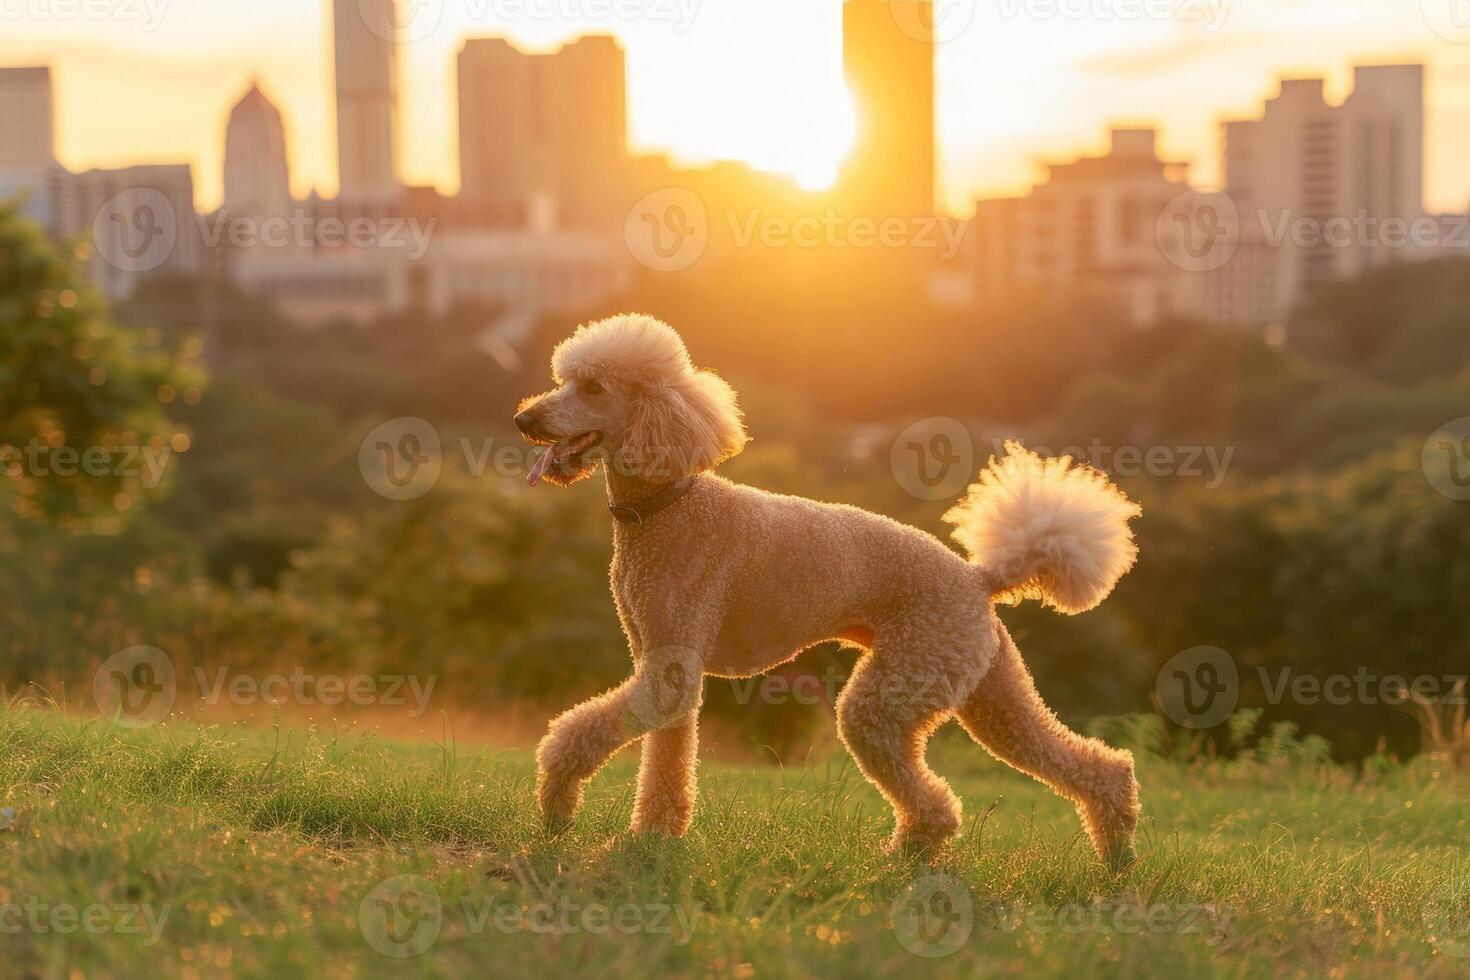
(648, 506)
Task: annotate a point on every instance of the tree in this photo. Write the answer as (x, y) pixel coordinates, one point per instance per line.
(83, 435)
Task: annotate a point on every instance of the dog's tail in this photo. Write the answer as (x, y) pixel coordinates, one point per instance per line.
(1046, 529)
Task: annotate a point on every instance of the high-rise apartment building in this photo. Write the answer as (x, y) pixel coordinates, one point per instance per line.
(544, 137)
(1320, 190)
(1091, 228)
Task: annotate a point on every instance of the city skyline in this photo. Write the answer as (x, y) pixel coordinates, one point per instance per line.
(991, 142)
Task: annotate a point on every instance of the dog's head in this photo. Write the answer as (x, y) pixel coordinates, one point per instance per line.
(627, 391)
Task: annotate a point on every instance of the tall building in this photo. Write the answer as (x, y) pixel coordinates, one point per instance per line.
(1314, 185)
(257, 177)
(1090, 228)
(544, 137)
(367, 97)
(889, 64)
(26, 126)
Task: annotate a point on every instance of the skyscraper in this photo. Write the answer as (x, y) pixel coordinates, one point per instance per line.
(888, 59)
(26, 128)
(257, 176)
(367, 97)
(544, 135)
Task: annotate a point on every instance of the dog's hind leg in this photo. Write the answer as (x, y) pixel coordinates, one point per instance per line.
(1006, 715)
(885, 715)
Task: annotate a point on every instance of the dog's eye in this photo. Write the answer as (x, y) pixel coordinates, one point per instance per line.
(591, 386)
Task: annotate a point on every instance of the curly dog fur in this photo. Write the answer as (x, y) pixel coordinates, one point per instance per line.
(730, 581)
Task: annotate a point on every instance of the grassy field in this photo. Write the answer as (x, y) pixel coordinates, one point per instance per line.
(188, 851)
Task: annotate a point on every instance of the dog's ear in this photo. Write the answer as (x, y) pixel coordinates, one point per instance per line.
(683, 427)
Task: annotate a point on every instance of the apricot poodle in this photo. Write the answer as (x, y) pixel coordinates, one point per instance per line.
(714, 578)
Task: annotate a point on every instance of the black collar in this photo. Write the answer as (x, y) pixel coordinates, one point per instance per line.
(648, 506)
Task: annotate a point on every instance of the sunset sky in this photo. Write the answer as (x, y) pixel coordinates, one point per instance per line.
(758, 80)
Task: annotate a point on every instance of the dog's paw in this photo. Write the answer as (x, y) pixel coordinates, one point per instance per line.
(558, 799)
(667, 822)
(923, 839)
(1120, 857)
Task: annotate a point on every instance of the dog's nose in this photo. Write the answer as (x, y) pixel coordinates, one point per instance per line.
(526, 422)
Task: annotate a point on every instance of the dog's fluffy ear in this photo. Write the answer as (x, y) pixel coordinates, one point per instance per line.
(683, 427)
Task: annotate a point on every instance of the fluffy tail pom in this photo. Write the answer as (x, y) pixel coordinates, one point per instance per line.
(1047, 529)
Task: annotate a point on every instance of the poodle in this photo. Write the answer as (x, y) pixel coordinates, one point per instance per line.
(711, 577)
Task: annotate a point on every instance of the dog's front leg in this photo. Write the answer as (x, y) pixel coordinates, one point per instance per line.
(666, 778)
(663, 694)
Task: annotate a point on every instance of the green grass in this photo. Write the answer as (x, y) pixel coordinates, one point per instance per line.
(261, 849)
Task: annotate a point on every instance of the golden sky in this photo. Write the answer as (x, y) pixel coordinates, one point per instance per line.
(1020, 81)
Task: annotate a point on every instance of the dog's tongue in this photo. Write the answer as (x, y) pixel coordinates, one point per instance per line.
(538, 469)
